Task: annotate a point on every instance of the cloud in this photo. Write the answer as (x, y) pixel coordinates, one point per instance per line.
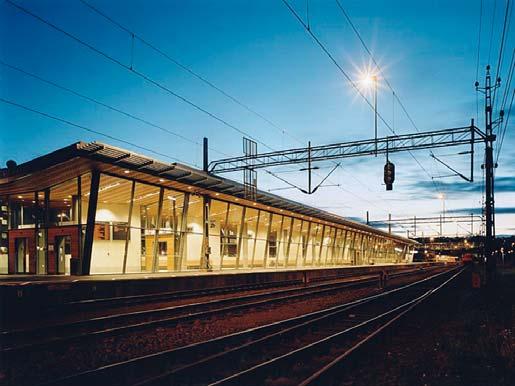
(465, 211)
(502, 185)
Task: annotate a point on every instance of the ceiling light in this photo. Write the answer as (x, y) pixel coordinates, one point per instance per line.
(126, 171)
(161, 180)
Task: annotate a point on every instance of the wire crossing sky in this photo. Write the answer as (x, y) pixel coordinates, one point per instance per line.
(156, 77)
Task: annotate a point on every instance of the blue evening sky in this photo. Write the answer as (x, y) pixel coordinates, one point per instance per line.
(258, 53)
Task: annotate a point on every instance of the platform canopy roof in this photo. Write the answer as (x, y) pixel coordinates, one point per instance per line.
(81, 157)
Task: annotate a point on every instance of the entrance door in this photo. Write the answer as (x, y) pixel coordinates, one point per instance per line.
(63, 253)
(22, 255)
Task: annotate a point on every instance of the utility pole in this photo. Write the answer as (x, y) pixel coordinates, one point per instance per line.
(489, 174)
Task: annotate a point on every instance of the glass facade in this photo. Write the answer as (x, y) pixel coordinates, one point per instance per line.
(144, 228)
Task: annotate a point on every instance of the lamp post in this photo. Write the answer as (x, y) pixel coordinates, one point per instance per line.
(374, 79)
(441, 196)
(368, 81)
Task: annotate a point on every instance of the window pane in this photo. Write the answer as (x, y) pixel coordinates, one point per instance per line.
(111, 222)
(249, 236)
(63, 204)
(194, 236)
(261, 235)
(23, 213)
(229, 234)
(284, 238)
(296, 247)
(274, 239)
(170, 232)
(217, 216)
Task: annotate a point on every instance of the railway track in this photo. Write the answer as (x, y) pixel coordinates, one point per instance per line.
(269, 354)
(19, 341)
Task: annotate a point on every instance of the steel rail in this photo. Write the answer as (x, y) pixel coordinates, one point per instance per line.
(125, 371)
(320, 377)
(96, 327)
(256, 373)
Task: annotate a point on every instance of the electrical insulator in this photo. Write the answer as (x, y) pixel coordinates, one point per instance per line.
(389, 175)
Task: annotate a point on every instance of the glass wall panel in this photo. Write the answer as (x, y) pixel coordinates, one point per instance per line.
(170, 232)
(337, 246)
(349, 247)
(284, 239)
(314, 244)
(274, 240)
(261, 239)
(217, 218)
(23, 212)
(194, 233)
(143, 228)
(295, 256)
(248, 241)
(111, 227)
(229, 236)
(330, 246)
(325, 244)
(63, 205)
(305, 242)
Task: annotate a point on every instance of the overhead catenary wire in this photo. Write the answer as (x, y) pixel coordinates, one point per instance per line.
(115, 109)
(134, 71)
(501, 141)
(507, 17)
(85, 128)
(349, 79)
(479, 37)
(200, 77)
(188, 69)
(492, 31)
(478, 55)
(116, 61)
(389, 85)
(376, 64)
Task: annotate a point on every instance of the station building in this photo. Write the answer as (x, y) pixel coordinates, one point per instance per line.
(91, 208)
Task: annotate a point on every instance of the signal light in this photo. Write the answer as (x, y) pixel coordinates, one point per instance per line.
(389, 175)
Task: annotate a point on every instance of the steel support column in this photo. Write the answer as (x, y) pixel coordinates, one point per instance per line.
(90, 224)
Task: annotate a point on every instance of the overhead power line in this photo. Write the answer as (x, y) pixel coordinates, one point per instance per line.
(143, 76)
(182, 66)
(387, 82)
(140, 74)
(507, 16)
(90, 99)
(492, 31)
(395, 94)
(62, 120)
(195, 74)
(501, 141)
(479, 37)
(349, 79)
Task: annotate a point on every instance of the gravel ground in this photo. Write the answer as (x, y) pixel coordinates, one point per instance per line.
(37, 366)
(465, 337)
